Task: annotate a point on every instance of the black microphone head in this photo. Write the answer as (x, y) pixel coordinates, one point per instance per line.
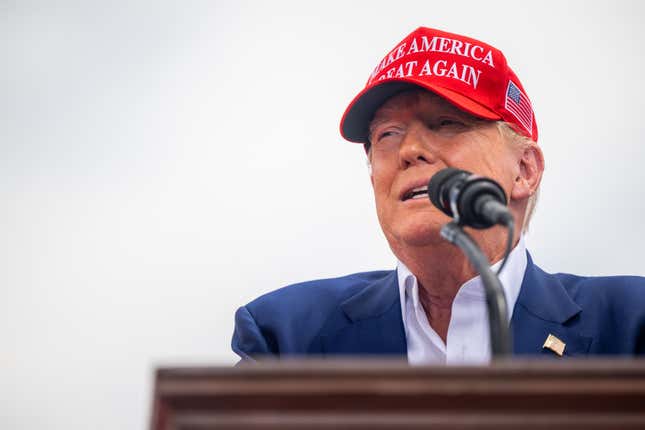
(473, 194)
(438, 187)
(463, 196)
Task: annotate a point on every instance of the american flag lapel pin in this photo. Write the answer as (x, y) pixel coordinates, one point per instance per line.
(554, 344)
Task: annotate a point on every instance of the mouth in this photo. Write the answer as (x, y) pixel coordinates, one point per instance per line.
(416, 193)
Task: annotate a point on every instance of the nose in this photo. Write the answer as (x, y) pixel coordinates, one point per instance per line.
(416, 146)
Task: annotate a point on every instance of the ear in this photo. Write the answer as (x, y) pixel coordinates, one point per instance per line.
(531, 166)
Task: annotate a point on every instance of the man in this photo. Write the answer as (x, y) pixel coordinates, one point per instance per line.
(442, 100)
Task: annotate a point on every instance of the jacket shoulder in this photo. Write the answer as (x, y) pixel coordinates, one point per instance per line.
(316, 292)
(609, 289)
(289, 319)
(612, 311)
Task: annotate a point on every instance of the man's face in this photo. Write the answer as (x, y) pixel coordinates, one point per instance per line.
(414, 135)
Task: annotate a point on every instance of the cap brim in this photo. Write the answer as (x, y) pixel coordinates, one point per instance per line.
(354, 126)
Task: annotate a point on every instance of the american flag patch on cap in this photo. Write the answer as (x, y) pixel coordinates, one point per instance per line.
(519, 105)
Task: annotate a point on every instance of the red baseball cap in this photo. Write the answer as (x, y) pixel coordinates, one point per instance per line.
(470, 74)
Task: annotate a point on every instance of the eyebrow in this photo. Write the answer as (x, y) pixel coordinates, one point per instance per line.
(373, 124)
(468, 118)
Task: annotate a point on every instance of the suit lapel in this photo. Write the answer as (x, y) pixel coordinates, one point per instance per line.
(544, 307)
(373, 323)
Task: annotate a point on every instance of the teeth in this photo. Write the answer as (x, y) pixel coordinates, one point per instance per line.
(417, 193)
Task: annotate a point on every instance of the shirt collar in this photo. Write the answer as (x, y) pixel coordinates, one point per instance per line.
(511, 279)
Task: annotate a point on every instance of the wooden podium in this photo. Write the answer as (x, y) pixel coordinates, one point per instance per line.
(368, 394)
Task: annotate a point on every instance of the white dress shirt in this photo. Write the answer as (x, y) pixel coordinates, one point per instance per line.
(468, 340)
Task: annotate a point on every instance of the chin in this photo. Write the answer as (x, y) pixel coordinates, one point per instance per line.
(416, 234)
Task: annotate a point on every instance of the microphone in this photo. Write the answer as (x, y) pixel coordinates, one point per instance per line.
(477, 202)
(472, 200)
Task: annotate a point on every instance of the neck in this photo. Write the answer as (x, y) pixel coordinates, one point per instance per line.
(441, 269)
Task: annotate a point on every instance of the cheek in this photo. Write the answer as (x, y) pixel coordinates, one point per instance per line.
(487, 157)
(382, 177)
(381, 190)
(504, 171)
(382, 185)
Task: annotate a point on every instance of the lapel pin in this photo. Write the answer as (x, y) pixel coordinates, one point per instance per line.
(554, 344)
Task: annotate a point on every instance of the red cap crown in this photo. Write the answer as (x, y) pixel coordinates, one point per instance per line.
(472, 75)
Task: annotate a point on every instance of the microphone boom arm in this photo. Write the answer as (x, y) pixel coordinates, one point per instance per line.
(500, 336)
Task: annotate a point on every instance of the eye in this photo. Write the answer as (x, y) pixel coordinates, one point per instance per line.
(386, 134)
(450, 122)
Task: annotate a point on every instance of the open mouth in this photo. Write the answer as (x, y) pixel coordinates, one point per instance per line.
(416, 193)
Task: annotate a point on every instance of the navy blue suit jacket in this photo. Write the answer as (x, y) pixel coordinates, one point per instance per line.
(360, 314)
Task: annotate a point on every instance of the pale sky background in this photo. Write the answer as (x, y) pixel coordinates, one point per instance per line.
(163, 163)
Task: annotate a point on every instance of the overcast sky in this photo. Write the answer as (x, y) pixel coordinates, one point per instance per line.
(164, 163)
